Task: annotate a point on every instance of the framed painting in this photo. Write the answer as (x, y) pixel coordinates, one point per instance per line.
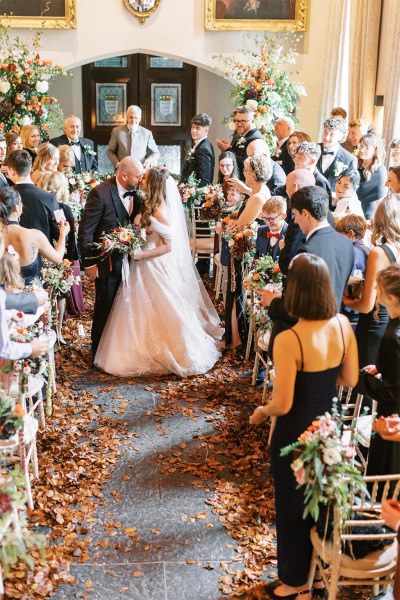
(166, 104)
(38, 14)
(256, 15)
(110, 104)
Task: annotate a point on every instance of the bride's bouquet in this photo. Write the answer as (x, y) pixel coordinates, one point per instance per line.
(123, 239)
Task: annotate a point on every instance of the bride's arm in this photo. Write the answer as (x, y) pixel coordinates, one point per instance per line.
(164, 248)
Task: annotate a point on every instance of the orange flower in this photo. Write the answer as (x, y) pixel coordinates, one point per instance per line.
(226, 220)
(247, 232)
(19, 411)
(262, 108)
(66, 262)
(256, 277)
(276, 268)
(239, 235)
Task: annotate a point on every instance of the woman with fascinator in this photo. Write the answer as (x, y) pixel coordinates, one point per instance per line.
(162, 320)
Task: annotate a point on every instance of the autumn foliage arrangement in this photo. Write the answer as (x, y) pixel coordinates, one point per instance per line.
(24, 87)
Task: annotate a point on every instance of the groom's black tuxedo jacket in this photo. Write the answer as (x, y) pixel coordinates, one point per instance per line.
(88, 161)
(103, 212)
(201, 163)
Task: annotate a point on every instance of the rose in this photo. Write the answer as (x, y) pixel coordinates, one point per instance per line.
(256, 276)
(42, 87)
(331, 456)
(252, 104)
(4, 86)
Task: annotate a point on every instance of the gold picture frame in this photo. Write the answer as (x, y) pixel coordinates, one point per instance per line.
(38, 14)
(141, 12)
(275, 15)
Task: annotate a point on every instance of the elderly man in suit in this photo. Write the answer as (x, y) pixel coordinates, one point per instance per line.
(113, 201)
(283, 127)
(334, 159)
(83, 148)
(133, 140)
(200, 161)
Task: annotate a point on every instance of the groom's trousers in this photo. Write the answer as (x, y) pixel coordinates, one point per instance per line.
(106, 290)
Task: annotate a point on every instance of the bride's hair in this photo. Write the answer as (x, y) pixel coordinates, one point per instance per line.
(155, 194)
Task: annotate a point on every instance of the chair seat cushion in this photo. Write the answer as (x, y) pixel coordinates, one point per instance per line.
(375, 561)
(203, 244)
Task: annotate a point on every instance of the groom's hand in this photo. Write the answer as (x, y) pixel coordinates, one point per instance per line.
(92, 272)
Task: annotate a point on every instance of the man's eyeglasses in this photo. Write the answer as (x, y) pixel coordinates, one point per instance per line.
(241, 121)
(271, 219)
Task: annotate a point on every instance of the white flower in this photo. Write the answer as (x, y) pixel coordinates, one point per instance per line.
(252, 104)
(18, 73)
(87, 177)
(4, 86)
(331, 456)
(143, 234)
(26, 120)
(274, 97)
(42, 87)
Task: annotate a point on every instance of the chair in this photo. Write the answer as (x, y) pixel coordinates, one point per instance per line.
(375, 569)
(10, 521)
(202, 240)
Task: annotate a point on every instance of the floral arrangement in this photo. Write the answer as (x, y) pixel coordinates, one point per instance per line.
(242, 244)
(21, 334)
(84, 182)
(264, 85)
(324, 464)
(264, 270)
(24, 87)
(124, 239)
(213, 206)
(58, 279)
(11, 417)
(16, 540)
(189, 192)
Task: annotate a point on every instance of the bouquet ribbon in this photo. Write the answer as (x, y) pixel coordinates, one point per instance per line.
(125, 278)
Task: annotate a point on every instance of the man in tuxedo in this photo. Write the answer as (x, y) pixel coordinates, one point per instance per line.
(38, 205)
(246, 132)
(283, 127)
(133, 140)
(4, 181)
(334, 159)
(200, 161)
(306, 157)
(310, 208)
(271, 235)
(112, 202)
(83, 148)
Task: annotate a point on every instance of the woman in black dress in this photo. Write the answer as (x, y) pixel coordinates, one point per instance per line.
(310, 359)
(384, 456)
(386, 239)
(257, 171)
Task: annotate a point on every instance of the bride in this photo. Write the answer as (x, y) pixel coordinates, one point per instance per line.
(162, 320)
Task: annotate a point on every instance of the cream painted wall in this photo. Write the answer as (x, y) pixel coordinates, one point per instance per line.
(106, 28)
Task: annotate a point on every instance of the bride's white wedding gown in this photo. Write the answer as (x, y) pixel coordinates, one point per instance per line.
(161, 322)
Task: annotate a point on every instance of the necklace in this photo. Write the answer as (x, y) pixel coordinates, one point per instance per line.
(12, 222)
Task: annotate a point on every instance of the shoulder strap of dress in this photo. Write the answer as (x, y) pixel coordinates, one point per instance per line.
(301, 348)
(344, 345)
(388, 251)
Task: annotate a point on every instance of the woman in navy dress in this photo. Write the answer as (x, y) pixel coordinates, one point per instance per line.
(310, 359)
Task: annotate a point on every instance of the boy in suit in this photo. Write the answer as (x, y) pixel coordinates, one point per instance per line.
(200, 161)
(334, 159)
(270, 237)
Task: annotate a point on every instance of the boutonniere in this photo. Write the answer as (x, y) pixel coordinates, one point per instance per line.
(89, 150)
(190, 154)
(241, 142)
(339, 168)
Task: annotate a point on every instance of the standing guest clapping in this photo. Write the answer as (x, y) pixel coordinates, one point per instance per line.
(373, 174)
(309, 359)
(334, 159)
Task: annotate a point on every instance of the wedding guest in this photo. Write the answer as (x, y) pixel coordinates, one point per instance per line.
(384, 456)
(283, 127)
(4, 181)
(393, 180)
(13, 142)
(354, 227)
(306, 375)
(346, 200)
(10, 271)
(334, 159)
(227, 169)
(29, 243)
(200, 160)
(246, 131)
(270, 237)
(339, 113)
(386, 241)
(373, 174)
(30, 137)
(83, 148)
(394, 152)
(294, 140)
(67, 160)
(47, 159)
(107, 204)
(257, 171)
(356, 129)
(306, 156)
(133, 140)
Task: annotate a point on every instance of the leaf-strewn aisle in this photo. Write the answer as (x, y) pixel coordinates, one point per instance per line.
(151, 489)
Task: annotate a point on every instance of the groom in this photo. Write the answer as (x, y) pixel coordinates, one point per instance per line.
(111, 203)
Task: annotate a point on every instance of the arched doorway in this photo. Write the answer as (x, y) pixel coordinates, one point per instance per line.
(164, 88)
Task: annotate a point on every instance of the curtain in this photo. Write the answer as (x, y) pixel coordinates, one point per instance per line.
(365, 18)
(391, 118)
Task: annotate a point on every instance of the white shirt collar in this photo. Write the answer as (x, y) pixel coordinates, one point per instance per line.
(197, 142)
(321, 225)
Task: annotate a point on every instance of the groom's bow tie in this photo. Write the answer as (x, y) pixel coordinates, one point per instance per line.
(131, 193)
(325, 152)
(74, 143)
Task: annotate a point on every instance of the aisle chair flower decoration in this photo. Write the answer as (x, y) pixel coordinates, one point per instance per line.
(264, 83)
(11, 418)
(264, 272)
(24, 87)
(214, 204)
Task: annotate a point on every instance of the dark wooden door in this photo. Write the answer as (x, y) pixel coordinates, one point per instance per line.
(165, 90)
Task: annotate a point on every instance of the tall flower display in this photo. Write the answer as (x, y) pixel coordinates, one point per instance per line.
(24, 86)
(264, 82)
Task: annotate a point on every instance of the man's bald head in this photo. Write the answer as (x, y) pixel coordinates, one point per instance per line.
(129, 172)
(298, 179)
(258, 147)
